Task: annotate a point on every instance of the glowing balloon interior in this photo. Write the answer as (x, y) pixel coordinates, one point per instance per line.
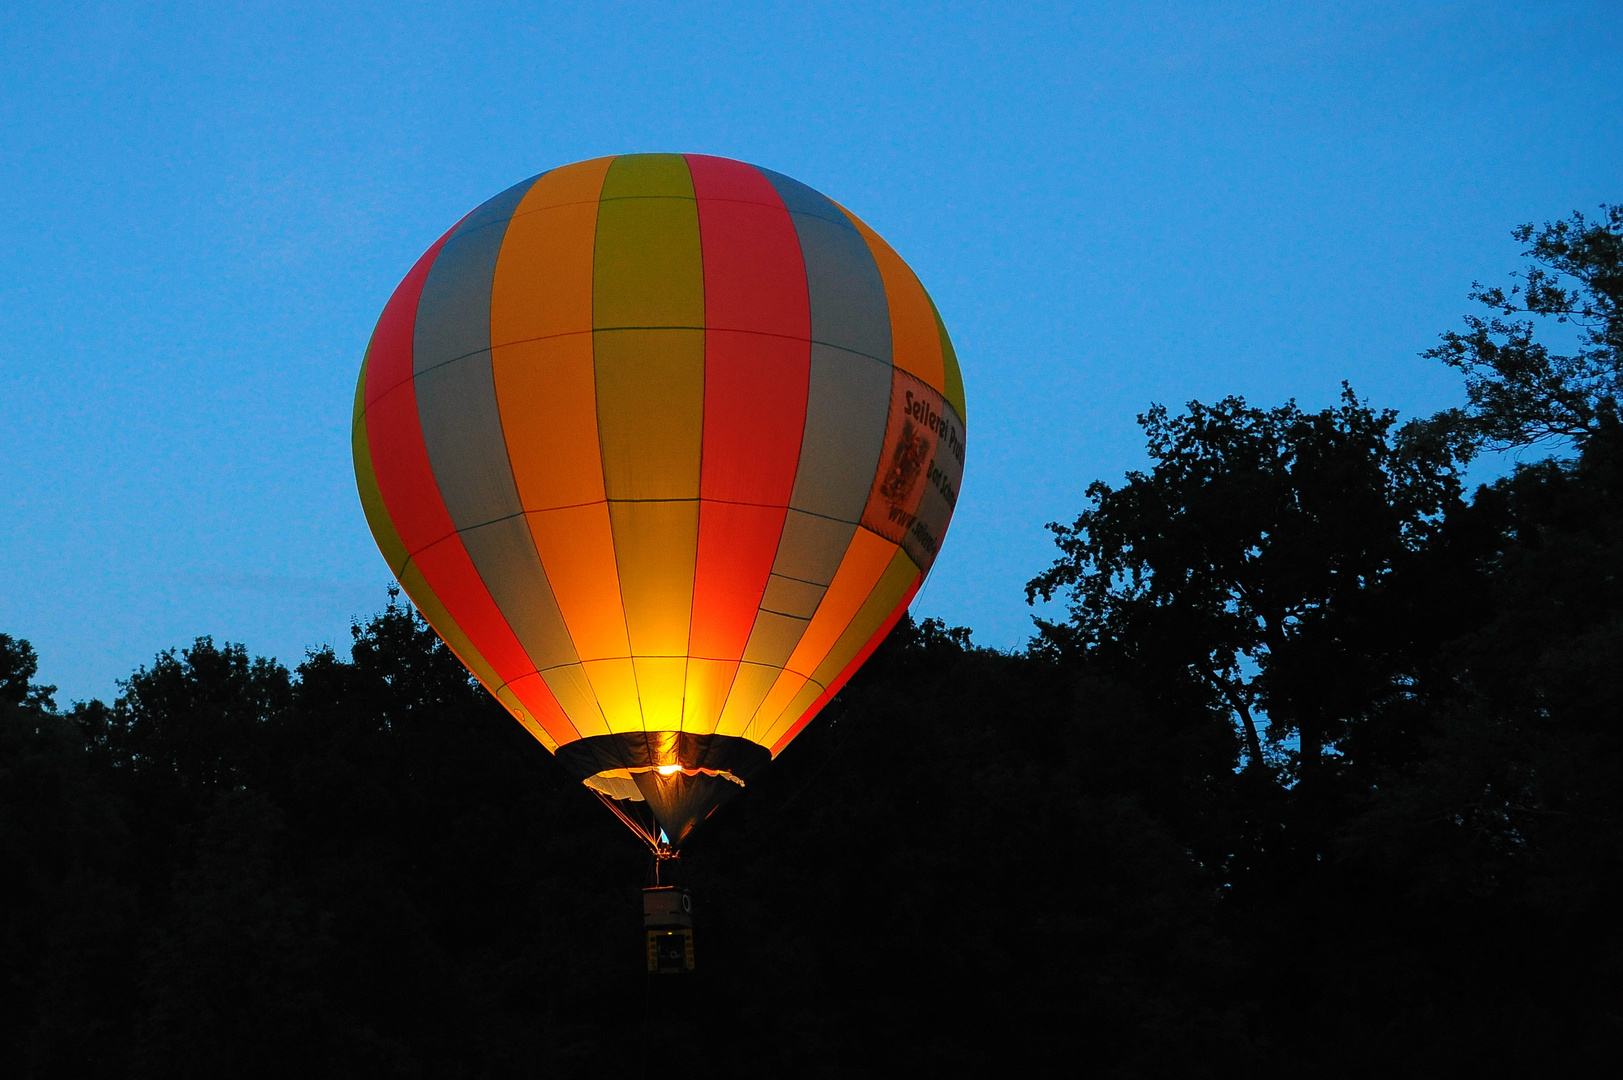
(662, 446)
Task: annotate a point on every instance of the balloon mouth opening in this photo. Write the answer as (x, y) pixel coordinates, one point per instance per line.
(621, 784)
(662, 784)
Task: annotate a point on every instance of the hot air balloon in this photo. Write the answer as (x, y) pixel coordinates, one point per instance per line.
(662, 446)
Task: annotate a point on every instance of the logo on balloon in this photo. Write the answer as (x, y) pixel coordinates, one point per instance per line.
(923, 439)
(906, 463)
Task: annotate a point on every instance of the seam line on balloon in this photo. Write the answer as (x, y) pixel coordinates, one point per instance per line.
(621, 329)
(771, 730)
(784, 614)
(803, 581)
(647, 198)
(743, 202)
(725, 329)
(715, 659)
(598, 502)
(611, 502)
(823, 217)
(509, 682)
(553, 206)
(457, 239)
(412, 554)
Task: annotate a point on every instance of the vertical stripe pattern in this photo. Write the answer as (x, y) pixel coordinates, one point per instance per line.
(660, 443)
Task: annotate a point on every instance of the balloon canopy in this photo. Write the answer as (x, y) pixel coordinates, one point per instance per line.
(662, 446)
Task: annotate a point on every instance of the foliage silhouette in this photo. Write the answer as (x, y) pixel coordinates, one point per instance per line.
(1519, 391)
(1253, 568)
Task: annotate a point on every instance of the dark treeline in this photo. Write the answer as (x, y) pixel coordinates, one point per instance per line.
(1320, 775)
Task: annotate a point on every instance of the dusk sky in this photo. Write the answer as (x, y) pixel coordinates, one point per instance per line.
(1112, 205)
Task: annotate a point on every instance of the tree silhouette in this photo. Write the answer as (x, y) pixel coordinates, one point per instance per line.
(1519, 392)
(1248, 569)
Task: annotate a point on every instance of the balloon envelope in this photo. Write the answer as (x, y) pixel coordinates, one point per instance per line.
(662, 446)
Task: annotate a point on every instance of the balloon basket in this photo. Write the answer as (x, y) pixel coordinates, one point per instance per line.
(667, 919)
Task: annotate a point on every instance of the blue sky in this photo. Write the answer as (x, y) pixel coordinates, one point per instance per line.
(1112, 204)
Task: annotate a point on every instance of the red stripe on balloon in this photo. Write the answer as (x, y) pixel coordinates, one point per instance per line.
(534, 694)
(450, 573)
(844, 677)
(412, 499)
(399, 459)
(757, 367)
(388, 362)
(736, 547)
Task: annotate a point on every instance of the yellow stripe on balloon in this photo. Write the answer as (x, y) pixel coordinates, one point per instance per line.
(655, 546)
(953, 391)
(648, 351)
(659, 690)
(570, 685)
(366, 482)
(704, 693)
(647, 270)
(750, 686)
(615, 683)
(650, 412)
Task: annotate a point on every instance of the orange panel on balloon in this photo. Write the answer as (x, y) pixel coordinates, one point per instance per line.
(655, 544)
(898, 580)
(543, 281)
(547, 393)
(576, 546)
(750, 686)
